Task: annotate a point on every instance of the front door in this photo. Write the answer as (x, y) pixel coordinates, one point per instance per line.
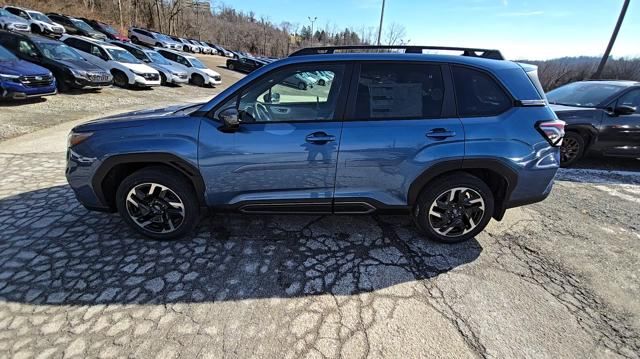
(283, 157)
(620, 135)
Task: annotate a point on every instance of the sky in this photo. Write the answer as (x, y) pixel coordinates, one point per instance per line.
(521, 29)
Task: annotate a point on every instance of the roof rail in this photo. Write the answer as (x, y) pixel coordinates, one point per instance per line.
(408, 49)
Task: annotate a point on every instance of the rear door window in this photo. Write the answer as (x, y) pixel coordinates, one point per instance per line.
(477, 94)
(399, 91)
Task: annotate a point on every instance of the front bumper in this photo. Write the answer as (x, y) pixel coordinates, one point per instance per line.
(88, 84)
(214, 80)
(144, 82)
(15, 91)
(178, 80)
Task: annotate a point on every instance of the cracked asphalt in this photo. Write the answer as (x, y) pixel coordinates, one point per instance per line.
(554, 279)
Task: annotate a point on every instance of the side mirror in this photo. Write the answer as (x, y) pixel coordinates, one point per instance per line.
(34, 55)
(271, 98)
(624, 110)
(230, 118)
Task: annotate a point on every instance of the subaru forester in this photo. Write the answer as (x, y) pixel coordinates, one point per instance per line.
(451, 140)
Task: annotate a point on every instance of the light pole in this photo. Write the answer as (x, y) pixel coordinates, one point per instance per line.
(313, 20)
(381, 19)
(607, 52)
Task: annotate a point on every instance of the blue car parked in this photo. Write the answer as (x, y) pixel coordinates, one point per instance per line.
(451, 140)
(21, 79)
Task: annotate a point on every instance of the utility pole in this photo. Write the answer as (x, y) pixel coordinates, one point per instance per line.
(313, 20)
(381, 20)
(607, 53)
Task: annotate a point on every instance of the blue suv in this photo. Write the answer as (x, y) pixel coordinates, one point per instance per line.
(21, 80)
(451, 140)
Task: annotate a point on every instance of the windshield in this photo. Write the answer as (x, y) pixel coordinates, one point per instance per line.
(123, 56)
(5, 55)
(40, 16)
(196, 63)
(59, 51)
(157, 58)
(82, 25)
(582, 94)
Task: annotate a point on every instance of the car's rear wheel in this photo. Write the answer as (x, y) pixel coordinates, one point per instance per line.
(302, 86)
(159, 203)
(572, 149)
(120, 79)
(454, 208)
(197, 80)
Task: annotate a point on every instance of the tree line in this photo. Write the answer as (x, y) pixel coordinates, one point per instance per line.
(223, 25)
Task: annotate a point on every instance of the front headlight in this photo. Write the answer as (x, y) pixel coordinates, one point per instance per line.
(79, 73)
(12, 78)
(76, 138)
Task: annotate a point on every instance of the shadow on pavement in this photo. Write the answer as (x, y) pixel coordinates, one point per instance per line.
(53, 251)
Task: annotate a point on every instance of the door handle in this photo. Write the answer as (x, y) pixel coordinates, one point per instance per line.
(440, 133)
(319, 138)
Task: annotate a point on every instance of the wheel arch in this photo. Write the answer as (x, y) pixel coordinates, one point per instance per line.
(588, 132)
(116, 168)
(500, 178)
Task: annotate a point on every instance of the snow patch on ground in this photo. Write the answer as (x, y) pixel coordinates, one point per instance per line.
(601, 177)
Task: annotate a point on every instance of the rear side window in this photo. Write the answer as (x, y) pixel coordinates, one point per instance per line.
(477, 94)
(399, 91)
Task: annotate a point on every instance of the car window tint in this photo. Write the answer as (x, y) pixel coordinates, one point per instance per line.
(477, 94)
(26, 48)
(399, 90)
(293, 94)
(631, 99)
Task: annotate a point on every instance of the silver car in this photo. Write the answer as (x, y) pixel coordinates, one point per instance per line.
(10, 22)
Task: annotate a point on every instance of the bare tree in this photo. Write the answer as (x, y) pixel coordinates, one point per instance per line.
(395, 34)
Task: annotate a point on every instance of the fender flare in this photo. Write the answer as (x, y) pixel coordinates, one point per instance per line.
(191, 172)
(584, 127)
(497, 166)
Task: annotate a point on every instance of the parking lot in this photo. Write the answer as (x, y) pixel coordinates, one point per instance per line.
(555, 279)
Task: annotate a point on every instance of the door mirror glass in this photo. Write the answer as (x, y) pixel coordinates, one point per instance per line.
(271, 97)
(230, 118)
(624, 110)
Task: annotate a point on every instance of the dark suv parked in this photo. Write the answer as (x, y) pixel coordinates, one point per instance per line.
(70, 69)
(75, 26)
(451, 140)
(603, 117)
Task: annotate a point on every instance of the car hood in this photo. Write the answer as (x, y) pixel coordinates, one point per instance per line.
(576, 115)
(136, 118)
(20, 68)
(210, 72)
(80, 65)
(140, 68)
(13, 20)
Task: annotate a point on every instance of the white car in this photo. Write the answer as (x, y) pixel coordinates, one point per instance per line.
(208, 49)
(38, 21)
(126, 69)
(149, 38)
(186, 45)
(201, 49)
(10, 22)
(199, 74)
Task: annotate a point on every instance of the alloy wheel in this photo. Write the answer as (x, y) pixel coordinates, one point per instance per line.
(569, 150)
(155, 208)
(456, 212)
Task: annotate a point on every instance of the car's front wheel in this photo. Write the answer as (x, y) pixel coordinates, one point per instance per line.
(159, 203)
(231, 66)
(572, 149)
(120, 79)
(454, 208)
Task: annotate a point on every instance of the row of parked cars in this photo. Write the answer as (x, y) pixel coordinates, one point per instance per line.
(41, 54)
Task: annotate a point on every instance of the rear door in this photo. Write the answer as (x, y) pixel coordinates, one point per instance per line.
(401, 121)
(620, 135)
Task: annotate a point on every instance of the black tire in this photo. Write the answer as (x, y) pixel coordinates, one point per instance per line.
(231, 66)
(572, 149)
(135, 40)
(62, 85)
(120, 79)
(322, 83)
(36, 29)
(197, 80)
(302, 86)
(163, 79)
(177, 185)
(455, 223)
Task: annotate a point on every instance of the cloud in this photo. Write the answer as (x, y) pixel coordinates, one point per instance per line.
(521, 13)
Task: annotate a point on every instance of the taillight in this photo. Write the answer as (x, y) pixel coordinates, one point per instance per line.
(552, 131)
